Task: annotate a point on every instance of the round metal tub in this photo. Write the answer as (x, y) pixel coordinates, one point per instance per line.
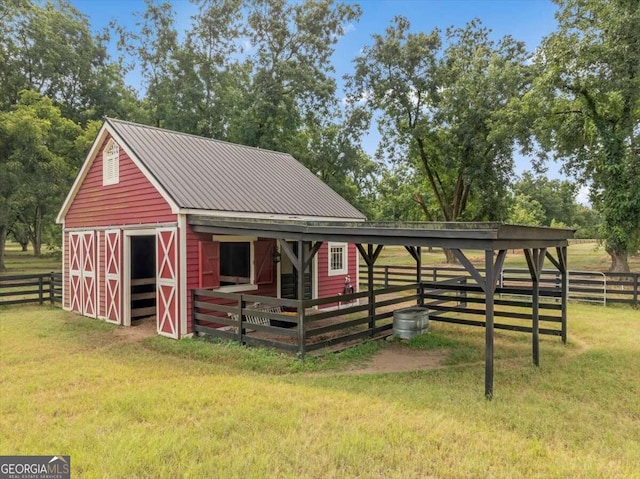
(410, 322)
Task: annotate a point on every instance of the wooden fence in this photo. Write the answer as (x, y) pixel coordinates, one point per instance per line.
(31, 288)
(304, 327)
(588, 286)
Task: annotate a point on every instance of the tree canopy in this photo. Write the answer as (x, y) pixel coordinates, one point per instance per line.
(586, 101)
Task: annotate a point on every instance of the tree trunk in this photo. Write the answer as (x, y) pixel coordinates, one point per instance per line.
(451, 259)
(619, 261)
(24, 245)
(37, 233)
(3, 242)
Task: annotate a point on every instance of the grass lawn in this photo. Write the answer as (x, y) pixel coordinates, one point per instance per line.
(160, 408)
(23, 262)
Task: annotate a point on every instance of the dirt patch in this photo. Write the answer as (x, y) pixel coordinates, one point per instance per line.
(396, 358)
(139, 330)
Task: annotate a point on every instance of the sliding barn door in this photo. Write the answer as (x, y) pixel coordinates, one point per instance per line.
(113, 267)
(167, 282)
(75, 273)
(82, 273)
(88, 281)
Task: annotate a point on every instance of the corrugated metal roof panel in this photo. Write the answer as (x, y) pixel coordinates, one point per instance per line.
(205, 174)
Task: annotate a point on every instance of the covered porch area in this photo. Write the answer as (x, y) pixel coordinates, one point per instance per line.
(473, 299)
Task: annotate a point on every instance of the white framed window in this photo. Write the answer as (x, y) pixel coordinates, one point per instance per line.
(111, 164)
(338, 259)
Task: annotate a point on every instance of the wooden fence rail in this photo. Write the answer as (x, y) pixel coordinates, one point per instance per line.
(589, 286)
(31, 288)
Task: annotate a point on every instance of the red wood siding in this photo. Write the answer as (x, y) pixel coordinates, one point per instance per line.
(100, 248)
(193, 277)
(334, 285)
(66, 286)
(134, 200)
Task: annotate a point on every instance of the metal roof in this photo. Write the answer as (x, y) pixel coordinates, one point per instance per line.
(205, 174)
(475, 235)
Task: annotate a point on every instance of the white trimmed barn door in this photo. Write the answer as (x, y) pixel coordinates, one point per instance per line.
(167, 282)
(75, 273)
(113, 267)
(88, 273)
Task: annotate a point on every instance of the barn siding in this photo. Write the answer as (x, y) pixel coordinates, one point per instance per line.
(134, 200)
(334, 285)
(66, 286)
(100, 249)
(193, 267)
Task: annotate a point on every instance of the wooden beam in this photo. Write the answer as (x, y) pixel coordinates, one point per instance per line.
(475, 274)
(488, 329)
(284, 246)
(315, 247)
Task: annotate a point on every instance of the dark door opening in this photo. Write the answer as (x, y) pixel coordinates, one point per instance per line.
(143, 277)
(289, 275)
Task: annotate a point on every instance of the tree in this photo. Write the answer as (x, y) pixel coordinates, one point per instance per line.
(586, 100)
(447, 111)
(38, 145)
(526, 211)
(555, 197)
(49, 48)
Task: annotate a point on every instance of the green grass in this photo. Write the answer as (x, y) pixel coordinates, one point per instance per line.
(24, 262)
(161, 408)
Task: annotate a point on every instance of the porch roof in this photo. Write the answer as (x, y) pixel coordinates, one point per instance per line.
(459, 235)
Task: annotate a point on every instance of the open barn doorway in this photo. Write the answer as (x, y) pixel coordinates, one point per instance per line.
(140, 279)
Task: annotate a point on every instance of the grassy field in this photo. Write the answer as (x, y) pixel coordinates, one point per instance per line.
(23, 262)
(160, 408)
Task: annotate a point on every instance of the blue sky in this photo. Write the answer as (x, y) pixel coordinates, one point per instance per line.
(525, 20)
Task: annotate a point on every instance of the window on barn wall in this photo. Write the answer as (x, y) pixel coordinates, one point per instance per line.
(236, 263)
(337, 259)
(111, 164)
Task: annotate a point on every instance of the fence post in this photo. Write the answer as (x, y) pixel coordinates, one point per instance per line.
(463, 294)
(241, 306)
(51, 297)
(41, 289)
(386, 276)
(435, 275)
(302, 337)
(635, 289)
(193, 313)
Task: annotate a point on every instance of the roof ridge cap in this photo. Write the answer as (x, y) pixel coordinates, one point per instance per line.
(182, 133)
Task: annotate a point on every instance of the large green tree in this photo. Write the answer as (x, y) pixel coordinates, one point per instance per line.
(35, 152)
(48, 47)
(445, 104)
(586, 104)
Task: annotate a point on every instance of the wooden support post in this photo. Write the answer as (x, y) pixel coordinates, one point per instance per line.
(370, 256)
(372, 298)
(51, 288)
(562, 256)
(535, 261)
(41, 290)
(241, 306)
(300, 266)
(488, 336)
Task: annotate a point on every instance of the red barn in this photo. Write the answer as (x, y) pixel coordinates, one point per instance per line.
(129, 251)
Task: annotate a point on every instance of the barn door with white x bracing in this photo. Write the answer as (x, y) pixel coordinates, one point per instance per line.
(75, 273)
(167, 281)
(113, 262)
(88, 281)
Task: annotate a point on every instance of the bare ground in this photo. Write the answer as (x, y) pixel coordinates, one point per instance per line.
(392, 358)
